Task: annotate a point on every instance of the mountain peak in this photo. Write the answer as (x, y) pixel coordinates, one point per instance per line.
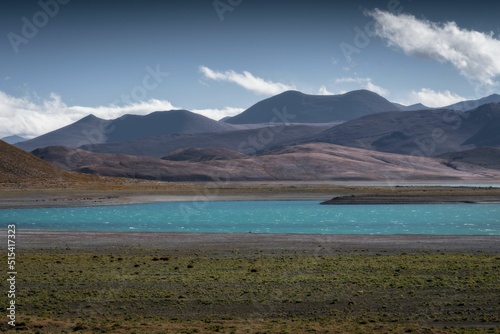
(305, 108)
(360, 92)
(90, 117)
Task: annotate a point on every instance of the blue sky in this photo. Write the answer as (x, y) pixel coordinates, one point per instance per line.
(64, 59)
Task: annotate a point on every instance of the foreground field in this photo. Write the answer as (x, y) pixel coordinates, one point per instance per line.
(245, 290)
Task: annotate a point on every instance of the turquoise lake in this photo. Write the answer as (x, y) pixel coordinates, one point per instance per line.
(266, 217)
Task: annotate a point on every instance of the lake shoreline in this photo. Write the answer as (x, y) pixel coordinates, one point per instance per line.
(346, 193)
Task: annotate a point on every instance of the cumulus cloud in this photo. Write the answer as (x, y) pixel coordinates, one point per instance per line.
(433, 98)
(247, 80)
(30, 117)
(475, 54)
(365, 83)
(324, 91)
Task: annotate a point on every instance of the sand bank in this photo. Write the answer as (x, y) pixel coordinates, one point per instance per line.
(268, 244)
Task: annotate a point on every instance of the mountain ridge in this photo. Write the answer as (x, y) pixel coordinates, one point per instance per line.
(424, 132)
(92, 130)
(305, 108)
(473, 104)
(291, 108)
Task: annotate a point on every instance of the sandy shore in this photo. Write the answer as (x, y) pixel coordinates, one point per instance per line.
(267, 244)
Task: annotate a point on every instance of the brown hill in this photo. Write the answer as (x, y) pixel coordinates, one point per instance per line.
(203, 154)
(16, 164)
(21, 170)
(315, 161)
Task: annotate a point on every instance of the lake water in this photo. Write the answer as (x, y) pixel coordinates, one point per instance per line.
(266, 217)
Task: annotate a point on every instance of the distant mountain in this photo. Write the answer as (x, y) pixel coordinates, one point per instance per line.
(160, 123)
(13, 139)
(89, 129)
(489, 134)
(92, 130)
(413, 107)
(248, 141)
(302, 108)
(315, 161)
(460, 106)
(426, 132)
(473, 104)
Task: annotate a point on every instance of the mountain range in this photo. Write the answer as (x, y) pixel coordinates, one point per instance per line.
(426, 132)
(289, 136)
(92, 130)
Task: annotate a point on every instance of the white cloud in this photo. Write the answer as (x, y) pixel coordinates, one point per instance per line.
(433, 99)
(218, 114)
(114, 111)
(365, 83)
(476, 55)
(324, 91)
(31, 117)
(248, 81)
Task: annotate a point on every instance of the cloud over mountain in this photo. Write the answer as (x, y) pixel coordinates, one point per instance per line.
(433, 98)
(33, 116)
(476, 55)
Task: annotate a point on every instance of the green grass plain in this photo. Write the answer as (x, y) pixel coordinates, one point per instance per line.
(164, 291)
